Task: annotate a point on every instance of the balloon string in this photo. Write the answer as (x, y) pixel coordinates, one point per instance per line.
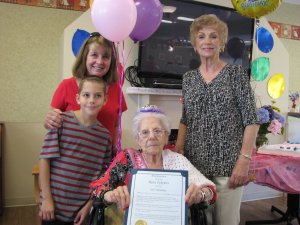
(120, 99)
(256, 38)
(257, 24)
(132, 45)
(121, 80)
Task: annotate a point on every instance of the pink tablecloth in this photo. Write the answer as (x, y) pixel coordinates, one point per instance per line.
(278, 172)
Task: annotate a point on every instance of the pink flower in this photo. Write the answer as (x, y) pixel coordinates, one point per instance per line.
(275, 127)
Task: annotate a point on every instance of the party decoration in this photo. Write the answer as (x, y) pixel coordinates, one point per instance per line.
(236, 47)
(114, 19)
(91, 3)
(294, 97)
(264, 40)
(270, 121)
(149, 16)
(78, 38)
(255, 8)
(276, 86)
(260, 68)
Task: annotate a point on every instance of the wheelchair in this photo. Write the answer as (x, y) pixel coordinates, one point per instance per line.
(98, 215)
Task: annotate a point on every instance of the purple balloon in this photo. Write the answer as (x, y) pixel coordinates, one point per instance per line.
(149, 16)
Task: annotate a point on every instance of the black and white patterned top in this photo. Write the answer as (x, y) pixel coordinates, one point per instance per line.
(216, 114)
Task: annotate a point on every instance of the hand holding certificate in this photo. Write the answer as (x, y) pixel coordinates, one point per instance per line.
(154, 197)
(157, 197)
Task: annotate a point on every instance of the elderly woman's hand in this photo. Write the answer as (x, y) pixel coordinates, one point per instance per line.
(53, 119)
(119, 196)
(196, 194)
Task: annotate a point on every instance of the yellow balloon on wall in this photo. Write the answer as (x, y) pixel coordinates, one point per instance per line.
(255, 8)
(90, 3)
(276, 85)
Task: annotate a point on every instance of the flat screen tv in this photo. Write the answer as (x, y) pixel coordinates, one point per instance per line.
(167, 54)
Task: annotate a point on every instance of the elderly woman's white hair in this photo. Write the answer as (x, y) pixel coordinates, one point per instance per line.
(146, 112)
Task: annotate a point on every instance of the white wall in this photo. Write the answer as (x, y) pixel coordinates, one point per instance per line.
(29, 56)
(279, 63)
(30, 45)
(170, 104)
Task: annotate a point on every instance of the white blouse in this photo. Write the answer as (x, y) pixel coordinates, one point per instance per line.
(176, 161)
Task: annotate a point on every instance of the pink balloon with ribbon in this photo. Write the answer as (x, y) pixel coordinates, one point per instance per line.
(149, 16)
(114, 19)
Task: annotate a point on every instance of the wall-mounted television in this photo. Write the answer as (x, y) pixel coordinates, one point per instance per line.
(167, 54)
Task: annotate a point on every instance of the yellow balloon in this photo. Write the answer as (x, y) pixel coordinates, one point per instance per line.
(276, 86)
(255, 8)
(90, 3)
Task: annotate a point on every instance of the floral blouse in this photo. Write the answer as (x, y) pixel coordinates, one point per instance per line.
(215, 115)
(119, 171)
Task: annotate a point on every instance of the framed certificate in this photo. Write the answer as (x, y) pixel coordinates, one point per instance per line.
(157, 197)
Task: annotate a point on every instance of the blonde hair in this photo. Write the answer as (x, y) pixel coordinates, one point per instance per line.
(209, 20)
(79, 69)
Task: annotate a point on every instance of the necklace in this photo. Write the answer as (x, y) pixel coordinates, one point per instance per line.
(210, 74)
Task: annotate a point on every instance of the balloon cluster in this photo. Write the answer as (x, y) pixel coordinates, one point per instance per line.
(261, 66)
(118, 19)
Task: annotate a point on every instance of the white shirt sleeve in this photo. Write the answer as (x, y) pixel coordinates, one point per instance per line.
(176, 161)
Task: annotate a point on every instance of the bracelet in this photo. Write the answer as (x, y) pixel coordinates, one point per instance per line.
(246, 156)
(203, 195)
(211, 194)
(101, 197)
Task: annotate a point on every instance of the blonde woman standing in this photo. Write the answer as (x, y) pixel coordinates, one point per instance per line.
(218, 127)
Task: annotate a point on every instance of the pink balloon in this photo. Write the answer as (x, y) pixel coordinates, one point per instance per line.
(149, 16)
(114, 19)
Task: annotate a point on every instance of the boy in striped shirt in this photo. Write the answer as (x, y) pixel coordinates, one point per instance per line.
(72, 156)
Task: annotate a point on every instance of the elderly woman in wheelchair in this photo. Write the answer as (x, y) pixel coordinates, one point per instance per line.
(151, 129)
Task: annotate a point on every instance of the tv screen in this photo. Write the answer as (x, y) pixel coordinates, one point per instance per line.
(168, 52)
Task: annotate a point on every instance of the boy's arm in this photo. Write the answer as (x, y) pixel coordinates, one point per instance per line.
(83, 213)
(47, 209)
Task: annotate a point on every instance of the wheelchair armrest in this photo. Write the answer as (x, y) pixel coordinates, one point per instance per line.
(198, 215)
(97, 203)
(200, 206)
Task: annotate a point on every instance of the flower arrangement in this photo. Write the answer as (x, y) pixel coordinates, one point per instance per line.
(294, 96)
(271, 121)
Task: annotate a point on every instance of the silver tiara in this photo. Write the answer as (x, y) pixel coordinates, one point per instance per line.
(150, 108)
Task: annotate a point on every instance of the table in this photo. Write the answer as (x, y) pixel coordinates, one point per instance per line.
(281, 173)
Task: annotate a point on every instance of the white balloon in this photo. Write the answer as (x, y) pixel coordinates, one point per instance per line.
(114, 19)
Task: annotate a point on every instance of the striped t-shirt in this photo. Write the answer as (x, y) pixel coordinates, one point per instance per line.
(77, 154)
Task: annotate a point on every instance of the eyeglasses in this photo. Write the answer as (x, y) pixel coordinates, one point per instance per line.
(156, 132)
